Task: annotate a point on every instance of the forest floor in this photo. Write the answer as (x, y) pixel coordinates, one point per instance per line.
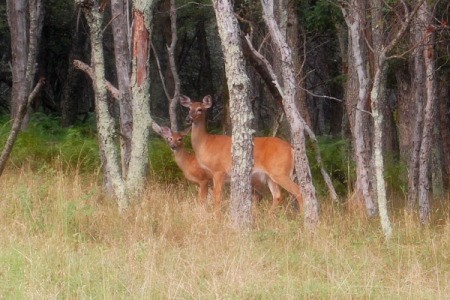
(60, 237)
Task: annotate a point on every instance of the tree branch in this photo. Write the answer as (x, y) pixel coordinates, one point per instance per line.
(78, 64)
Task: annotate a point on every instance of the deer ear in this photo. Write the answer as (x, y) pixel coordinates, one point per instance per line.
(207, 101)
(156, 127)
(185, 101)
(165, 131)
(185, 131)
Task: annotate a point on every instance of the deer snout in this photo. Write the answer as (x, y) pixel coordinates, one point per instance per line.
(188, 120)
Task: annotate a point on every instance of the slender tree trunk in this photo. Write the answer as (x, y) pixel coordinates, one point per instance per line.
(105, 122)
(173, 67)
(361, 125)
(240, 111)
(296, 122)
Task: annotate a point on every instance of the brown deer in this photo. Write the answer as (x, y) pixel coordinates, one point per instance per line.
(273, 157)
(190, 167)
(186, 161)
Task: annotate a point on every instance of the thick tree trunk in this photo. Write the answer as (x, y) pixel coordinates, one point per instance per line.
(120, 27)
(240, 112)
(296, 122)
(140, 84)
(294, 36)
(24, 65)
(17, 19)
(417, 93)
(444, 115)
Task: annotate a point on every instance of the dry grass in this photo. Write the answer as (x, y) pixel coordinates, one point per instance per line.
(61, 238)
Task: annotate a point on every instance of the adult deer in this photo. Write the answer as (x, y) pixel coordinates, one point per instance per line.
(273, 157)
(186, 161)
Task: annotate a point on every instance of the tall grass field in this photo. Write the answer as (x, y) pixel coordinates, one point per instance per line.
(61, 237)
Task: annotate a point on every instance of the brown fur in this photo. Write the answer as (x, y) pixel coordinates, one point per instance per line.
(187, 162)
(272, 156)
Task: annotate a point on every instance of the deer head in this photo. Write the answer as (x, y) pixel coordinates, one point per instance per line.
(174, 139)
(197, 110)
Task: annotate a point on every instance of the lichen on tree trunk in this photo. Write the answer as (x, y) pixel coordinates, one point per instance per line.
(240, 112)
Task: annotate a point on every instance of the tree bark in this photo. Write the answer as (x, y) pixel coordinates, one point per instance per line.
(173, 67)
(105, 122)
(359, 116)
(296, 122)
(424, 189)
(120, 27)
(24, 47)
(240, 111)
(140, 84)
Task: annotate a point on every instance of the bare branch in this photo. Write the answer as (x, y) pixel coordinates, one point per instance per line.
(403, 29)
(88, 70)
(161, 76)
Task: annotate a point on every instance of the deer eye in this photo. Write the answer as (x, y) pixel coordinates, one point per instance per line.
(179, 140)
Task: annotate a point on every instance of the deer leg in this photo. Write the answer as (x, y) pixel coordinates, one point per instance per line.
(276, 194)
(286, 183)
(202, 192)
(218, 181)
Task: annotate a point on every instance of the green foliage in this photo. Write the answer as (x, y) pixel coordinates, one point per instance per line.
(44, 141)
(321, 15)
(395, 175)
(337, 162)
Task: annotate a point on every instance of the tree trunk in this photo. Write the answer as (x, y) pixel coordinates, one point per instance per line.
(444, 115)
(120, 28)
(24, 47)
(240, 112)
(296, 122)
(361, 121)
(417, 92)
(140, 84)
(426, 16)
(17, 19)
(294, 36)
(105, 122)
(173, 102)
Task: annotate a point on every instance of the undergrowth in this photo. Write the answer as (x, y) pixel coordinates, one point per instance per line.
(62, 237)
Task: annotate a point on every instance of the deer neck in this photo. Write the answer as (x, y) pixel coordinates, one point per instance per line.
(181, 156)
(199, 133)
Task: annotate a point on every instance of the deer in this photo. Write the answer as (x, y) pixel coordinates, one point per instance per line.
(273, 157)
(186, 161)
(190, 167)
